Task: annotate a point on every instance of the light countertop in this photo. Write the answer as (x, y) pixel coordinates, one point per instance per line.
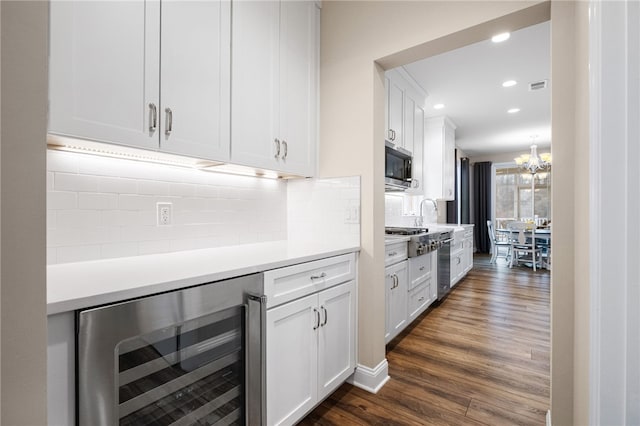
(72, 286)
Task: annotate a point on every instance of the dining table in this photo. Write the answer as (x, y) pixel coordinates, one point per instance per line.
(540, 233)
(542, 236)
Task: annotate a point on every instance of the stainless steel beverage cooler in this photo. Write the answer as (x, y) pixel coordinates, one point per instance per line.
(187, 357)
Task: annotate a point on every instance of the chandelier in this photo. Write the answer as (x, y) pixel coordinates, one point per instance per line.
(534, 163)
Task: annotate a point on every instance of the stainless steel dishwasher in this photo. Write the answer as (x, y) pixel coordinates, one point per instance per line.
(192, 356)
(444, 264)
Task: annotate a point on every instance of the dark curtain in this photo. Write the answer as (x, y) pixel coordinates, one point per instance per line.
(463, 184)
(482, 204)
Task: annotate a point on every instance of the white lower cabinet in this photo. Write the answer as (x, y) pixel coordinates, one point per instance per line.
(467, 248)
(423, 273)
(396, 283)
(419, 299)
(310, 351)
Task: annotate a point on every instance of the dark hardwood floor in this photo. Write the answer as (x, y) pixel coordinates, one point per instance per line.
(481, 357)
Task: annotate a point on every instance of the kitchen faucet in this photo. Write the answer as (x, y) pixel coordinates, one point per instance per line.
(420, 220)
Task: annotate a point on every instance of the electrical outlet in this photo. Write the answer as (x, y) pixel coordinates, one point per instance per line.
(164, 214)
(352, 214)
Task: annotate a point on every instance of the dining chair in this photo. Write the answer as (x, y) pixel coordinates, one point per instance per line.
(497, 244)
(523, 248)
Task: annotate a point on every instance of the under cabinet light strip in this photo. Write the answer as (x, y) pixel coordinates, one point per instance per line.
(83, 146)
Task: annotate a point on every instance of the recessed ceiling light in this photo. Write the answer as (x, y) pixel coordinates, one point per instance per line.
(513, 110)
(438, 106)
(509, 83)
(500, 37)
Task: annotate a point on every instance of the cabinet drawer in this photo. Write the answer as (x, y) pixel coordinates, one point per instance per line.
(285, 284)
(419, 299)
(394, 253)
(419, 269)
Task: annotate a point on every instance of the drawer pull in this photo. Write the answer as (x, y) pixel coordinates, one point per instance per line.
(317, 277)
(422, 268)
(421, 299)
(393, 253)
(326, 316)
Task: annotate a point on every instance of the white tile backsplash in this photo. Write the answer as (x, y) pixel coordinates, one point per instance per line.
(403, 209)
(99, 207)
(322, 210)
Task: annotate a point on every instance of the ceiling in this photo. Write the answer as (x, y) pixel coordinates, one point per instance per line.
(468, 81)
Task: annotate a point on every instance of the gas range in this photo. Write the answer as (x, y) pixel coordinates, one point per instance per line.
(421, 240)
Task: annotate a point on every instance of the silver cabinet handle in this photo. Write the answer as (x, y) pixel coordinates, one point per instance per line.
(395, 281)
(421, 299)
(326, 316)
(169, 121)
(393, 253)
(415, 183)
(422, 268)
(317, 313)
(153, 117)
(317, 277)
(277, 142)
(285, 145)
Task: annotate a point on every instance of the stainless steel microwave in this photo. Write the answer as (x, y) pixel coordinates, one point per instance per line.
(397, 169)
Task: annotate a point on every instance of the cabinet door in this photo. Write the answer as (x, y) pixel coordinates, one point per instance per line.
(409, 124)
(195, 63)
(389, 286)
(468, 252)
(336, 338)
(417, 185)
(299, 59)
(448, 178)
(396, 104)
(254, 83)
(396, 300)
(104, 70)
(291, 365)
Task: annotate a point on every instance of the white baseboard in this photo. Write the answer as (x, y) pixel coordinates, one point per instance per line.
(371, 379)
(548, 417)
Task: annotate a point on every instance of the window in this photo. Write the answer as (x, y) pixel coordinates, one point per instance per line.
(513, 195)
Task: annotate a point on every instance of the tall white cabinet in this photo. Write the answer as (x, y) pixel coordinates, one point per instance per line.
(275, 85)
(404, 120)
(147, 74)
(439, 158)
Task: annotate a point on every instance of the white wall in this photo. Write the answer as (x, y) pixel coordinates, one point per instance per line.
(23, 89)
(101, 207)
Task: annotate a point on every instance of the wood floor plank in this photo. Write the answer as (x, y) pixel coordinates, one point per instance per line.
(481, 357)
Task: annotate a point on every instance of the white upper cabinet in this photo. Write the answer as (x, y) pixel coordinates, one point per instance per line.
(439, 158)
(404, 120)
(417, 170)
(195, 89)
(395, 108)
(275, 85)
(106, 68)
